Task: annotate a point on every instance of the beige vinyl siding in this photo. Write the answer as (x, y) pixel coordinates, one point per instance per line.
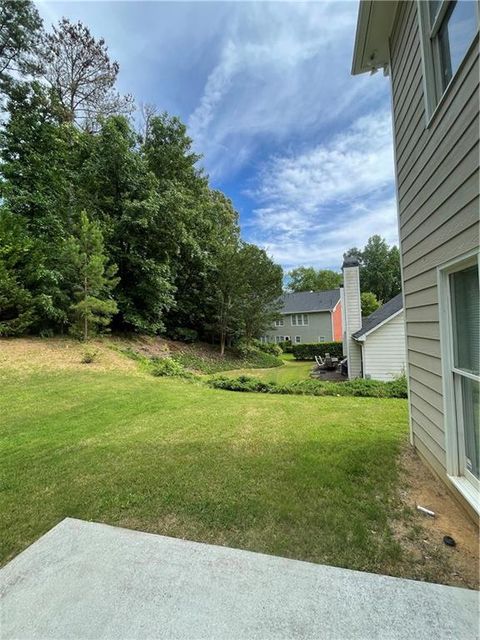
(384, 350)
(438, 193)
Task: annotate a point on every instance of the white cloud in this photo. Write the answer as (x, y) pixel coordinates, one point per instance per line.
(283, 73)
(315, 205)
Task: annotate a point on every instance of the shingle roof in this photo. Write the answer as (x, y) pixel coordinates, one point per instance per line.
(384, 312)
(307, 301)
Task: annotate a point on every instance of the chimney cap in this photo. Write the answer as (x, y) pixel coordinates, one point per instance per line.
(350, 261)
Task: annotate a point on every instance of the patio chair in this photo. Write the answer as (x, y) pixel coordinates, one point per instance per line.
(320, 361)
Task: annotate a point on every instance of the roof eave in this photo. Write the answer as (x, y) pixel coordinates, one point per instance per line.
(374, 25)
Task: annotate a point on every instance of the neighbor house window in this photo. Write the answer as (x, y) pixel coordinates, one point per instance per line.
(279, 323)
(298, 339)
(299, 319)
(460, 299)
(447, 28)
(321, 338)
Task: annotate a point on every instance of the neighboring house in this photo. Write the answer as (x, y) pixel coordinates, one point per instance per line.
(308, 316)
(374, 346)
(430, 50)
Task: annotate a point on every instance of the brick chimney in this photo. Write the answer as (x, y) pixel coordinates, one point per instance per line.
(352, 315)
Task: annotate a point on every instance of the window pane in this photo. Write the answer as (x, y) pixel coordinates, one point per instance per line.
(455, 36)
(471, 425)
(466, 319)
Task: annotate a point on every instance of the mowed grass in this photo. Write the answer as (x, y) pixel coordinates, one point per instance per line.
(290, 371)
(308, 478)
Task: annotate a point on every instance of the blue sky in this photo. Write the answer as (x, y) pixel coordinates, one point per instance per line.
(302, 148)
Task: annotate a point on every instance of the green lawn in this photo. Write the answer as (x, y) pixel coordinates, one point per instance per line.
(310, 478)
(291, 371)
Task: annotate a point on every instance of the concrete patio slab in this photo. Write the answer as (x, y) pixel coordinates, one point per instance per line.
(88, 580)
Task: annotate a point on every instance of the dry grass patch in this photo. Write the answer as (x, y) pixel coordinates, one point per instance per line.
(26, 355)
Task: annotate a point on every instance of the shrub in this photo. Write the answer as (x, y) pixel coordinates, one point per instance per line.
(270, 347)
(308, 351)
(286, 346)
(167, 367)
(358, 388)
(89, 355)
(243, 383)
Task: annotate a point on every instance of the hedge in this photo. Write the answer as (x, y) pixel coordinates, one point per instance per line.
(308, 351)
(357, 388)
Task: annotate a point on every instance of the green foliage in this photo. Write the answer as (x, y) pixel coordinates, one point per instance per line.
(92, 280)
(184, 334)
(379, 268)
(16, 304)
(89, 355)
(358, 388)
(311, 279)
(167, 367)
(308, 351)
(286, 346)
(230, 360)
(20, 31)
(369, 303)
(181, 265)
(270, 347)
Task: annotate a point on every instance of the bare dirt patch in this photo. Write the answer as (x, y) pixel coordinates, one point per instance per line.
(427, 557)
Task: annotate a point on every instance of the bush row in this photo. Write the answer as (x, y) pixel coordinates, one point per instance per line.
(360, 388)
(308, 351)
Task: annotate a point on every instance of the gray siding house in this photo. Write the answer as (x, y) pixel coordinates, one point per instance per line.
(430, 50)
(308, 316)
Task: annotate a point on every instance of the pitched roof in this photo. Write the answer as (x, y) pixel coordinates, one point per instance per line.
(383, 313)
(307, 301)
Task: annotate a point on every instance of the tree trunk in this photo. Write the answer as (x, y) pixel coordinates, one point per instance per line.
(222, 343)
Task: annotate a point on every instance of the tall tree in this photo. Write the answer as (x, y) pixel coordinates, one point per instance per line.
(136, 221)
(39, 171)
(224, 295)
(311, 279)
(379, 268)
(79, 70)
(20, 31)
(93, 279)
(260, 283)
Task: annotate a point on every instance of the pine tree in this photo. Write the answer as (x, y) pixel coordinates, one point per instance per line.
(94, 279)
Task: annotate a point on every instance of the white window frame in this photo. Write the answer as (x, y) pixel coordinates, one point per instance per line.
(298, 339)
(279, 322)
(467, 485)
(321, 338)
(433, 90)
(299, 319)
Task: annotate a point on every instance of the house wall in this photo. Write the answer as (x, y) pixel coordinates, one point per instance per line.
(337, 322)
(438, 200)
(319, 325)
(384, 350)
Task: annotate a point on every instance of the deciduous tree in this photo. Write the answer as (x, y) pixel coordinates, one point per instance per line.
(311, 279)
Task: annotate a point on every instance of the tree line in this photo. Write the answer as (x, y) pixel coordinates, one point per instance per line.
(380, 277)
(103, 223)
